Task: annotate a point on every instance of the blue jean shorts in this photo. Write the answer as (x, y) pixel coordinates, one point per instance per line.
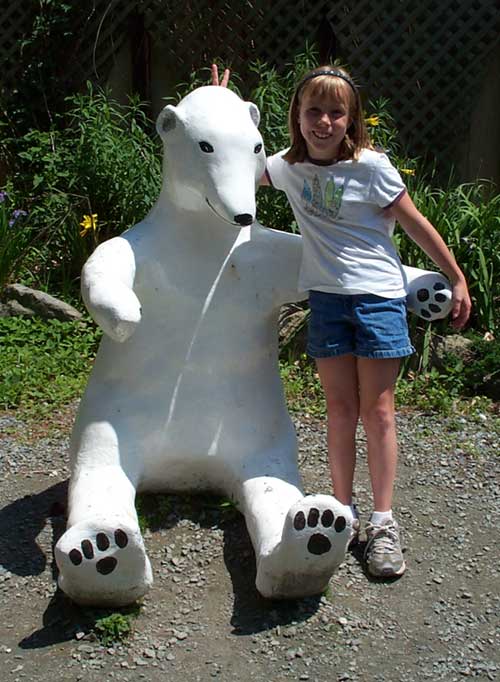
(364, 325)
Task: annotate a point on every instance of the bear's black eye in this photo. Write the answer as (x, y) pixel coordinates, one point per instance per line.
(257, 148)
(206, 147)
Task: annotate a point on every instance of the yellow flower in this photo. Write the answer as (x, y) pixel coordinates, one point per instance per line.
(372, 121)
(407, 171)
(88, 223)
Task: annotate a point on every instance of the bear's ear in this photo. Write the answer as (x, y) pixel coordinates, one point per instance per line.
(167, 120)
(254, 113)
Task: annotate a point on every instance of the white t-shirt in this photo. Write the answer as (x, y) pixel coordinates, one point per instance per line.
(347, 246)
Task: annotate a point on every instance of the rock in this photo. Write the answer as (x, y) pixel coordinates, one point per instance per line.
(454, 343)
(292, 326)
(22, 300)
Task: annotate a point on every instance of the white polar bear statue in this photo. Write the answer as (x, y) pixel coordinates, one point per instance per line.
(185, 393)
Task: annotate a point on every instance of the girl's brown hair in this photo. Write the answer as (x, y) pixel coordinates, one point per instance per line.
(356, 138)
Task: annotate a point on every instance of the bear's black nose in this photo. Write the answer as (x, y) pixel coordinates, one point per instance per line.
(243, 219)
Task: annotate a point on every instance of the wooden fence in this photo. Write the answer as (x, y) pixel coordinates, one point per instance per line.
(428, 57)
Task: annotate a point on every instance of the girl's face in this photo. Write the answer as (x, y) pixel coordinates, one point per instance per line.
(323, 122)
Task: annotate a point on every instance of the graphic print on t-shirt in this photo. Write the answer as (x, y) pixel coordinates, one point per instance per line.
(319, 203)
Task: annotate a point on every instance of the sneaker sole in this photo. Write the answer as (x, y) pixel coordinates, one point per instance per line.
(388, 574)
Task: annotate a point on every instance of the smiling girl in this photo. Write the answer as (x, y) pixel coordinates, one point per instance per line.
(346, 197)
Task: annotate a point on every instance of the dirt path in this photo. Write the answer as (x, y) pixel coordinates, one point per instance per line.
(203, 618)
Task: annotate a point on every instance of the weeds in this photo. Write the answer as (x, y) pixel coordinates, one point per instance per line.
(112, 628)
(44, 364)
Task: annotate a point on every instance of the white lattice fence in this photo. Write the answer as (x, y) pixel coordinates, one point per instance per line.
(427, 58)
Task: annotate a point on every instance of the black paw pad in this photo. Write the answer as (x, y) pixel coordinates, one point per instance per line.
(340, 524)
(299, 521)
(319, 544)
(106, 566)
(313, 517)
(121, 538)
(327, 518)
(102, 541)
(75, 557)
(87, 549)
(422, 295)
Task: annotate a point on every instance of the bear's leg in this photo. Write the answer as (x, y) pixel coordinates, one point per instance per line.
(101, 556)
(299, 540)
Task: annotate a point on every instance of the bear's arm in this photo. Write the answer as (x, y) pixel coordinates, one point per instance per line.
(107, 289)
(285, 252)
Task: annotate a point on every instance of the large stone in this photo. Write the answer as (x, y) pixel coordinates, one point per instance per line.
(39, 303)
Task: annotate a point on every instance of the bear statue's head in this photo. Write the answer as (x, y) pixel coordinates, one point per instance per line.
(213, 154)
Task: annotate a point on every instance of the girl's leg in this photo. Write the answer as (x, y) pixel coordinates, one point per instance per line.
(339, 378)
(377, 380)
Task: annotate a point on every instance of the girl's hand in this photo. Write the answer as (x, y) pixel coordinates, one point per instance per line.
(461, 305)
(215, 76)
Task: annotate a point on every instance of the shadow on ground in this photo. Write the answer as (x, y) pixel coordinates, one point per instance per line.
(23, 520)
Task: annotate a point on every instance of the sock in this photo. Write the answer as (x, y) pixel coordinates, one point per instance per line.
(379, 518)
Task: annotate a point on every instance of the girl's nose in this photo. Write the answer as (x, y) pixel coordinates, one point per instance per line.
(325, 118)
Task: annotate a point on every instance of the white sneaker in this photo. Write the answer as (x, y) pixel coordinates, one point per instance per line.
(383, 555)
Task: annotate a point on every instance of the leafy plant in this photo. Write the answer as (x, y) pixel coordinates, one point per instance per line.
(16, 238)
(468, 218)
(97, 159)
(302, 387)
(113, 629)
(44, 364)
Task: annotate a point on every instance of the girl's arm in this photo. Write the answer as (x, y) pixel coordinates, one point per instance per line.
(423, 233)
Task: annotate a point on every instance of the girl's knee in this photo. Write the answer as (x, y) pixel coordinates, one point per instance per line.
(342, 411)
(379, 417)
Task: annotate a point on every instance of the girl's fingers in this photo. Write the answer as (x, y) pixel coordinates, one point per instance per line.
(225, 78)
(215, 74)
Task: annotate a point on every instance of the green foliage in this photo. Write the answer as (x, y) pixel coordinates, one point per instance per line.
(97, 159)
(468, 218)
(477, 373)
(302, 387)
(44, 364)
(113, 629)
(17, 236)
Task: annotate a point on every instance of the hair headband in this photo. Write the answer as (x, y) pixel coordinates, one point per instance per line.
(328, 72)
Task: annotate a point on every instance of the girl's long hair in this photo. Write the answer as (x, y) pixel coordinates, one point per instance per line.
(356, 138)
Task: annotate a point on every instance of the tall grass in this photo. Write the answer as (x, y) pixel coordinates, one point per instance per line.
(468, 218)
(100, 159)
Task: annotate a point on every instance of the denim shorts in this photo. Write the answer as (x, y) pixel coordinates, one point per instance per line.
(364, 325)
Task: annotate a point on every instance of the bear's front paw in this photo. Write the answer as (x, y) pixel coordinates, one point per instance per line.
(102, 564)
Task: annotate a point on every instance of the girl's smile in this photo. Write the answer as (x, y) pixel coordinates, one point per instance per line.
(323, 123)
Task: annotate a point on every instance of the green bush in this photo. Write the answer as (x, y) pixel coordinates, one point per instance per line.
(17, 236)
(468, 218)
(98, 159)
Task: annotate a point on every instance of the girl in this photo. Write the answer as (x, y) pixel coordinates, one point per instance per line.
(346, 197)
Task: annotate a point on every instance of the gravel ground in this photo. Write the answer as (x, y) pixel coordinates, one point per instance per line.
(203, 618)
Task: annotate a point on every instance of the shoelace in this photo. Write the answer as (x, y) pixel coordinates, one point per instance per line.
(386, 536)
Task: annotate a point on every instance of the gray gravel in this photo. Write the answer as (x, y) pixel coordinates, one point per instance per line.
(203, 618)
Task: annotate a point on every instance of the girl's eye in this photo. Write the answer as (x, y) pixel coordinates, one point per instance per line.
(258, 148)
(206, 147)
